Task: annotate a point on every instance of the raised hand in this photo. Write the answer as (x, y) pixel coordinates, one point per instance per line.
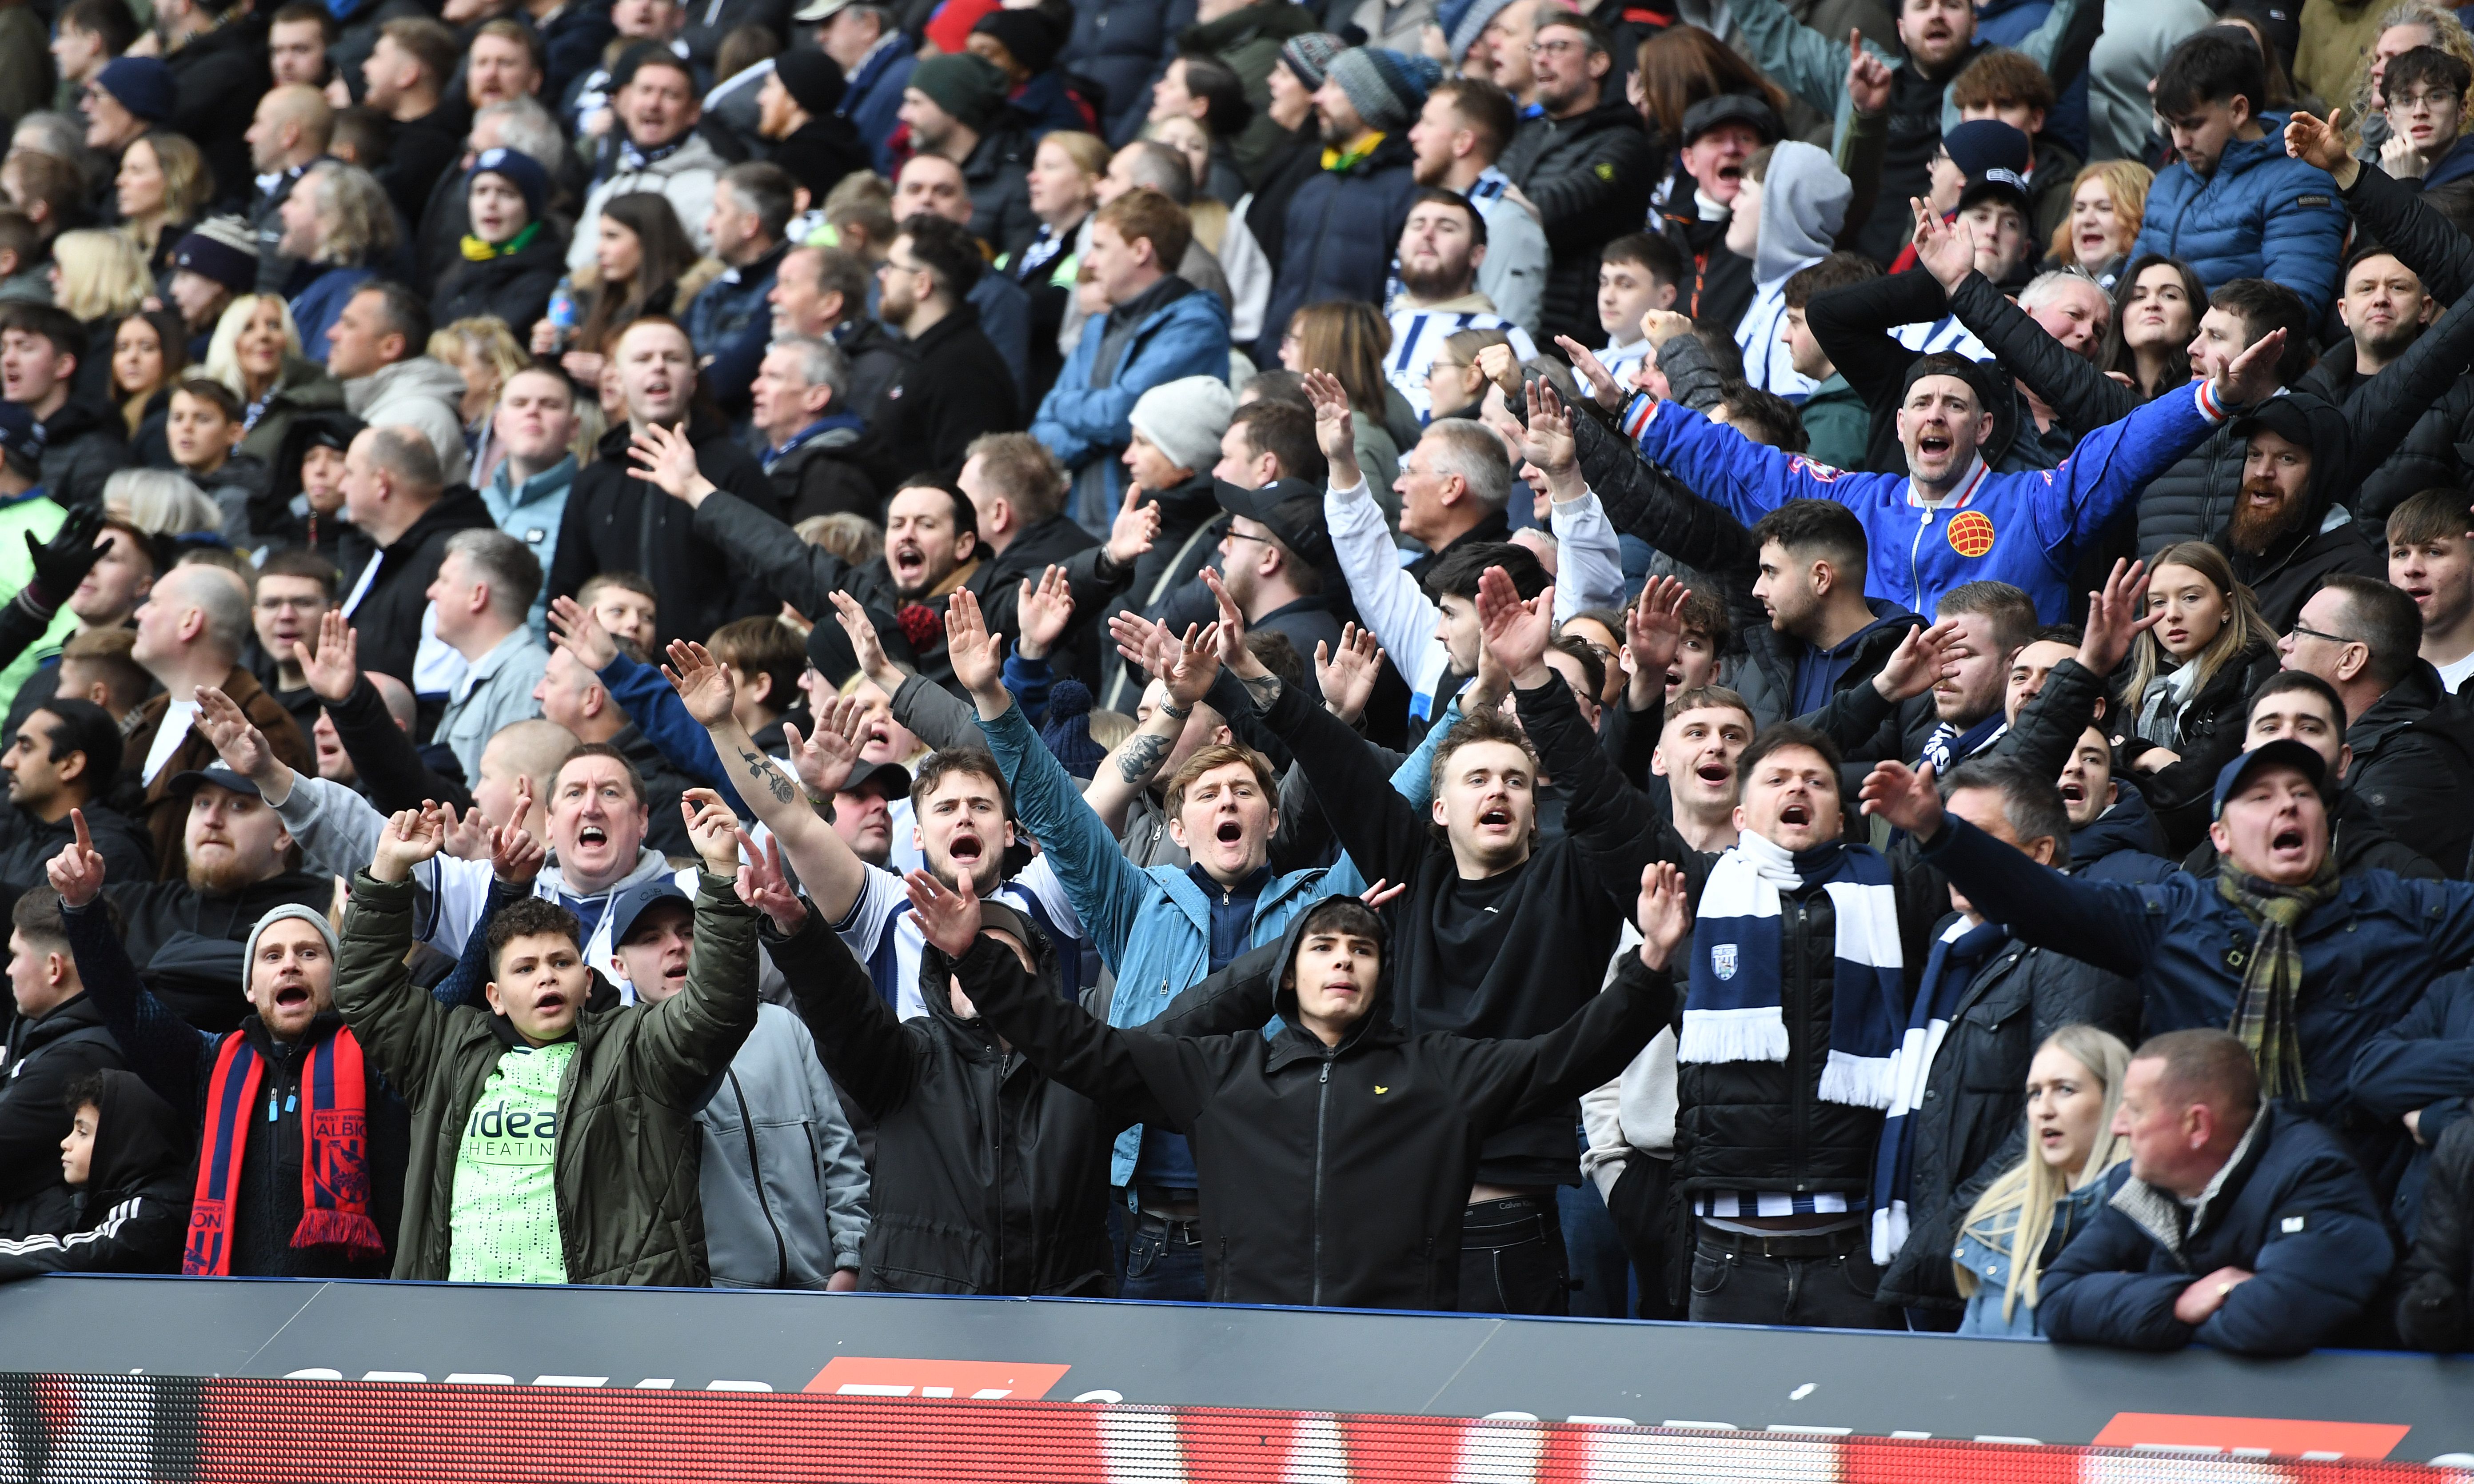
(2253, 376)
(1136, 526)
(1232, 619)
(516, 857)
(1516, 632)
(1346, 677)
(1660, 326)
(77, 871)
(664, 456)
(1145, 644)
(236, 739)
(864, 640)
(764, 885)
(2314, 142)
(1499, 365)
(1654, 626)
(334, 666)
(470, 835)
(1334, 430)
(1916, 663)
(948, 916)
(704, 686)
(1043, 609)
(1604, 388)
(409, 837)
(713, 829)
(1905, 797)
(1381, 894)
(62, 562)
(1547, 441)
(1945, 248)
(2114, 619)
(576, 629)
(825, 759)
(1664, 913)
(1868, 77)
(976, 655)
(1195, 666)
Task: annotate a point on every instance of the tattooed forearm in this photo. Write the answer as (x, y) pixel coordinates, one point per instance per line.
(760, 769)
(1142, 757)
(1264, 688)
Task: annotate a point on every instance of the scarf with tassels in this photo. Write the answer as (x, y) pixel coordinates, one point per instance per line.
(476, 250)
(1956, 954)
(2265, 1015)
(1732, 1012)
(335, 1185)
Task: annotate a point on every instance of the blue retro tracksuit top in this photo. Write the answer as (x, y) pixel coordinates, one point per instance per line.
(2027, 529)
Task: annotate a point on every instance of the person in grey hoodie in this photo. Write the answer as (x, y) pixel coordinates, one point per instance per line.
(1788, 214)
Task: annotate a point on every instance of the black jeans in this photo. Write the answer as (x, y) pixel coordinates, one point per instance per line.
(1817, 1282)
(1512, 1259)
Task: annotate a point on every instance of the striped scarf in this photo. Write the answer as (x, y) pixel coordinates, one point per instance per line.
(335, 1184)
(1732, 1012)
(2265, 1015)
(1955, 956)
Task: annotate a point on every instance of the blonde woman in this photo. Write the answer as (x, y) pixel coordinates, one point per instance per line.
(163, 190)
(1064, 186)
(2191, 672)
(2035, 1206)
(98, 275)
(2108, 201)
(484, 353)
(339, 222)
(256, 351)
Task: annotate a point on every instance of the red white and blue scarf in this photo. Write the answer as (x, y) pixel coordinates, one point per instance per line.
(335, 1184)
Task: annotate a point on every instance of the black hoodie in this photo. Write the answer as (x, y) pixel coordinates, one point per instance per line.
(2283, 577)
(134, 1210)
(43, 1058)
(1334, 1175)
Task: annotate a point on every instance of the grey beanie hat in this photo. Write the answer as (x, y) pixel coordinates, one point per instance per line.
(1472, 25)
(274, 916)
(1185, 418)
(1386, 87)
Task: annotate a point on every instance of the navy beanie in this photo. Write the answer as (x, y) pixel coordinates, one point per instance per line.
(1067, 731)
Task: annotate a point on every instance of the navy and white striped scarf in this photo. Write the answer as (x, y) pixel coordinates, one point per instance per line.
(1956, 954)
(1731, 1010)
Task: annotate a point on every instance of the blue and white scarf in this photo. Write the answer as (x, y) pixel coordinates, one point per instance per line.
(1947, 746)
(1952, 966)
(1731, 1010)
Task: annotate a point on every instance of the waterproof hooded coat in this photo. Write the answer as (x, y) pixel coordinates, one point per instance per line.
(1331, 1175)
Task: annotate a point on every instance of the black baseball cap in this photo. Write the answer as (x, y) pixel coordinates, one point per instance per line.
(890, 779)
(185, 783)
(2281, 752)
(1290, 509)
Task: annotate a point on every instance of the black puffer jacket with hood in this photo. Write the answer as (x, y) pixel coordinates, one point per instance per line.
(1333, 1176)
(134, 1210)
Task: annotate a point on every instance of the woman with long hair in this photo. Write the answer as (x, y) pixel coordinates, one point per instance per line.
(162, 191)
(2186, 695)
(2402, 28)
(1064, 185)
(100, 276)
(2108, 199)
(148, 352)
(2157, 302)
(640, 261)
(256, 351)
(1348, 339)
(2073, 1085)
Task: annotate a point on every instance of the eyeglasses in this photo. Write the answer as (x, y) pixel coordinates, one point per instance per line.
(890, 266)
(1553, 48)
(2410, 102)
(2301, 632)
(1241, 536)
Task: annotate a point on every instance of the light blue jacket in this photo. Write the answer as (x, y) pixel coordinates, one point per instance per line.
(1086, 426)
(531, 514)
(1990, 1261)
(1151, 927)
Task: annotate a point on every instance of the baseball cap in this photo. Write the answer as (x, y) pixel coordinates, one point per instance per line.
(2282, 752)
(1291, 509)
(634, 902)
(1730, 109)
(185, 783)
(821, 10)
(892, 779)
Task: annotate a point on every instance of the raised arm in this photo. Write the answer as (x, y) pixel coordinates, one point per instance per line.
(2384, 412)
(382, 753)
(165, 1052)
(1389, 601)
(856, 1033)
(643, 693)
(1853, 321)
(2114, 463)
(2049, 728)
(2388, 212)
(2080, 395)
(1806, 62)
(402, 1029)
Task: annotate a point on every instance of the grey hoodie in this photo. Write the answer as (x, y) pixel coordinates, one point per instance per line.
(1803, 205)
(774, 1111)
(423, 393)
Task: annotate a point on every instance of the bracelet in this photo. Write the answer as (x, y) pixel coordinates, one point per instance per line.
(1170, 707)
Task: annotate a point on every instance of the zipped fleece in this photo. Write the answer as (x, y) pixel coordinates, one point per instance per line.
(629, 1148)
(1332, 1176)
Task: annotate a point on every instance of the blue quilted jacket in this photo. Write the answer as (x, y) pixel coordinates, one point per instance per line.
(2261, 215)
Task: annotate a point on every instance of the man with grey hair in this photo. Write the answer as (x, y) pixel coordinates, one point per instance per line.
(481, 597)
(338, 223)
(519, 124)
(824, 292)
(190, 633)
(395, 492)
(811, 434)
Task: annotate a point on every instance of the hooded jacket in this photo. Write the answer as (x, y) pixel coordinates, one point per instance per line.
(2325, 538)
(2261, 213)
(2290, 1207)
(785, 1194)
(2414, 765)
(1335, 1176)
(177, 1062)
(1589, 176)
(686, 177)
(43, 1058)
(156, 912)
(132, 1212)
(424, 393)
(615, 521)
(629, 1148)
(1803, 205)
(1338, 238)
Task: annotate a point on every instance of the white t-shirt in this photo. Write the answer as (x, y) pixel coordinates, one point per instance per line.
(168, 736)
(2453, 673)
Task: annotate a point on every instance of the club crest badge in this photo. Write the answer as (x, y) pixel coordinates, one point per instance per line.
(1722, 959)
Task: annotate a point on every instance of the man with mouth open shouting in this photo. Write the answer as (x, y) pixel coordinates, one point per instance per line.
(334, 1219)
(1950, 520)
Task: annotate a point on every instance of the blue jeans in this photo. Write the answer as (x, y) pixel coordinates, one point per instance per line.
(1163, 1260)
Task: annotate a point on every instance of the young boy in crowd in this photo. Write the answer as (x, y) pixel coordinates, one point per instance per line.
(126, 1158)
(624, 603)
(555, 1060)
(203, 429)
(1837, 422)
(1636, 272)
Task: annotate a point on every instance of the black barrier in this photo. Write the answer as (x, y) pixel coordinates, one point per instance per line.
(2352, 1404)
